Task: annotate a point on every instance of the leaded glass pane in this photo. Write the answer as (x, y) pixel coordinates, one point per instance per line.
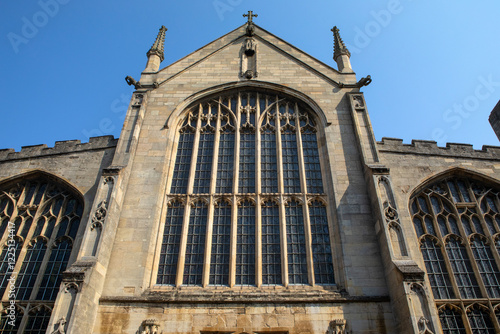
(30, 270)
(419, 228)
(245, 245)
(247, 163)
(269, 167)
(436, 270)
(12, 248)
(311, 162)
(38, 321)
(297, 262)
(195, 246)
(442, 225)
(451, 322)
(480, 321)
(321, 249)
(487, 267)
(462, 270)
(219, 263)
(58, 260)
(271, 250)
(182, 163)
(203, 173)
(8, 325)
(225, 164)
(26, 227)
(291, 178)
(170, 246)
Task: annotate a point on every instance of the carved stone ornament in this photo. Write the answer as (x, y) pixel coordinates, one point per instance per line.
(410, 270)
(99, 215)
(150, 326)
(337, 326)
(391, 214)
(60, 324)
(74, 276)
(109, 179)
(358, 101)
(138, 99)
(378, 169)
(250, 46)
(423, 326)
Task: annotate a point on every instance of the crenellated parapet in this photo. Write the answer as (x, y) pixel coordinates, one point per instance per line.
(430, 147)
(60, 147)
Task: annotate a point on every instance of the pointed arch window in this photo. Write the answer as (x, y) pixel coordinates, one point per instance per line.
(253, 159)
(44, 218)
(451, 320)
(436, 269)
(461, 214)
(271, 252)
(221, 233)
(171, 242)
(195, 244)
(480, 320)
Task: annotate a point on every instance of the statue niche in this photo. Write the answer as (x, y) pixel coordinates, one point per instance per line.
(248, 57)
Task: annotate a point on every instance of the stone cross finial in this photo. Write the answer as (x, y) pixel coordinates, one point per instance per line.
(250, 16)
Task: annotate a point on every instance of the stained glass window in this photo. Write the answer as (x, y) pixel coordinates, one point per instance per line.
(225, 163)
(219, 263)
(436, 269)
(451, 321)
(38, 320)
(461, 215)
(271, 250)
(42, 232)
(269, 163)
(487, 267)
(480, 320)
(321, 250)
(245, 245)
(291, 177)
(240, 154)
(171, 241)
(183, 159)
(195, 246)
(295, 235)
(311, 162)
(58, 260)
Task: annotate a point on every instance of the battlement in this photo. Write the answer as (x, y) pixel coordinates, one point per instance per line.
(430, 147)
(60, 147)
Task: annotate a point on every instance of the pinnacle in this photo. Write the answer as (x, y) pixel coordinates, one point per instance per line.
(339, 47)
(158, 45)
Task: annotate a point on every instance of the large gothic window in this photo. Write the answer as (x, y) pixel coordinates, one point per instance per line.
(246, 199)
(457, 221)
(39, 222)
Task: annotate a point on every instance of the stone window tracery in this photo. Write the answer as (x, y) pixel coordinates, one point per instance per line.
(248, 167)
(46, 217)
(456, 220)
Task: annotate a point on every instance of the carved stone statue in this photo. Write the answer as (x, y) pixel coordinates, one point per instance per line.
(150, 326)
(60, 326)
(250, 47)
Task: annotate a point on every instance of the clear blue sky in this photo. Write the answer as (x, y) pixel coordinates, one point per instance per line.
(434, 64)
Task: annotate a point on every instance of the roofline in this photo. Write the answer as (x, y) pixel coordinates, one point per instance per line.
(265, 31)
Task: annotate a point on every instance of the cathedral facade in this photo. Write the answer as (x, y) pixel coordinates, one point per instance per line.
(247, 194)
